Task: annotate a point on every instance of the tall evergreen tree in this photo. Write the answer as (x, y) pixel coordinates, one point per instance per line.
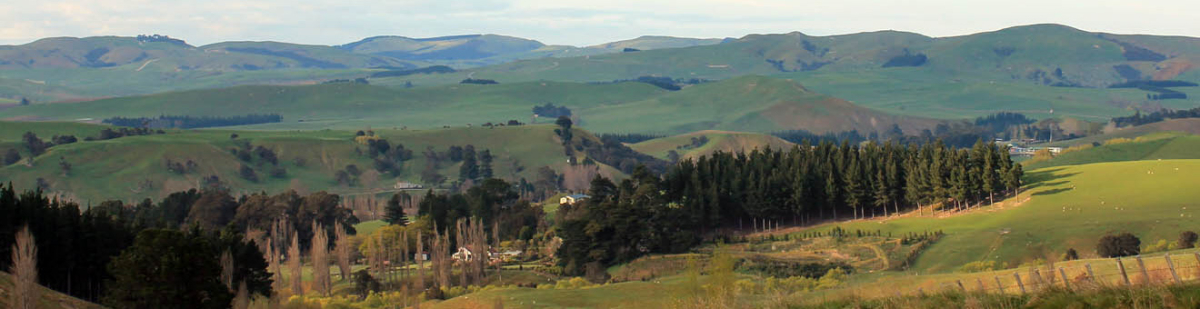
(469, 170)
(394, 211)
(485, 164)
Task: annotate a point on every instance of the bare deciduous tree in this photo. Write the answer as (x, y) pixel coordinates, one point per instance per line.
(24, 270)
(342, 241)
(293, 261)
(420, 257)
(227, 269)
(320, 260)
(241, 300)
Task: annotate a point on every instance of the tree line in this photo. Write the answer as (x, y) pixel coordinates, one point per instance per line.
(1138, 118)
(630, 138)
(191, 122)
(808, 183)
(115, 253)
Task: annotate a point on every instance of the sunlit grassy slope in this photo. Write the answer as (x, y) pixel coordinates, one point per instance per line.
(724, 141)
(134, 167)
(1060, 208)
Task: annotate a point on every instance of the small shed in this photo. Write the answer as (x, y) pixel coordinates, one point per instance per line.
(572, 199)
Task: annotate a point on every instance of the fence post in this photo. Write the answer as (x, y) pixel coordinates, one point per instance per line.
(1124, 275)
(982, 289)
(1066, 282)
(1171, 265)
(1145, 274)
(1019, 283)
(1039, 281)
(999, 285)
(1091, 275)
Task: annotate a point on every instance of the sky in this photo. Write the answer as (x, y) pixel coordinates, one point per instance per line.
(570, 22)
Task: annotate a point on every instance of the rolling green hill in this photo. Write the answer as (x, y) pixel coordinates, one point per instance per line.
(167, 55)
(66, 69)
(57, 69)
(1032, 54)
(134, 167)
(752, 103)
(1037, 69)
(1186, 125)
(1059, 208)
(352, 106)
(1154, 146)
(464, 51)
(723, 141)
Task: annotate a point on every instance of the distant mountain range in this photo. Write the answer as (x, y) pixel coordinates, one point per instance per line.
(375, 52)
(1041, 70)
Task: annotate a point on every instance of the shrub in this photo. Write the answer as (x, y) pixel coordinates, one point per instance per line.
(1071, 255)
(832, 279)
(978, 266)
(1187, 240)
(1124, 244)
(573, 283)
(11, 156)
(1159, 246)
(247, 173)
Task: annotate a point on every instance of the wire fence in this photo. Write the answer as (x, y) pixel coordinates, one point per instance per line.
(1142, 270)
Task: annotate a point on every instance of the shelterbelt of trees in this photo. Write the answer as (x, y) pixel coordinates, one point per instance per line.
(651, 214)
(161, 255)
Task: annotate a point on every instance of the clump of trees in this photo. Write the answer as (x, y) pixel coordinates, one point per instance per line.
(805, 184)
(696, 142)
(629, 138)
(11, 156)
(436, 69)
(181, 167)
(192, 122)
(159, 38)
(387, 159)
(551, 111)
(1187, 240)
(907, 60)
(1124, 244)
(108, 133)
(1138, 118)
(36, 146)
(478, 81)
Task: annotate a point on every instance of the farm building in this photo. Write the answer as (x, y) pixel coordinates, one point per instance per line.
(572, 199)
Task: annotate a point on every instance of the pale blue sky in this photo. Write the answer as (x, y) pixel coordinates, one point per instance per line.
(570, 22)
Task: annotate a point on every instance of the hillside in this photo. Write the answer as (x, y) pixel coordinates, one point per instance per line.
(1153, 146)
(132, 168)
(1186, 125)
(750, 104)
(67, 68)
(649, 42)
(352, 106)
(111, 51)
(723, 141)
(1059, 208)
(1032, 54)
(1041, 70)
(49, 298)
